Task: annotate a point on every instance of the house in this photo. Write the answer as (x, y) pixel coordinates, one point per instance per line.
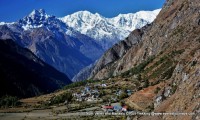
(129, 92)
(87, 89)
(108, 108)
(66, 102)
(117, 108)
(119, 92)
(92, 99)
(87, 94)
(95, 92)
(103, 85)
(124, 108)
(113, 98)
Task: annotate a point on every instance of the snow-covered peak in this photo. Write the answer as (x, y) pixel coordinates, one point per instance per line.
(84, 15)
(83, 19)
(36, 19)
(5, 23)
(40, 12)
(109, 29)
(105, 31)
(133, 21)
(2, 23)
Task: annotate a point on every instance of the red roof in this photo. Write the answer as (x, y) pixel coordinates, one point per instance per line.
(108, 107)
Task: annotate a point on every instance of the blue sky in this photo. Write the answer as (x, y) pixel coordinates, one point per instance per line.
(13, 10)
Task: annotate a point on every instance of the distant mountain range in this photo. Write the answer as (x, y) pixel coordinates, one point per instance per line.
(108, 31)
(25, 75)
(75, 41)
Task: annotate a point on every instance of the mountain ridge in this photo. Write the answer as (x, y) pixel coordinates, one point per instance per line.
(25, 75)
(112, 29)
(53, 41)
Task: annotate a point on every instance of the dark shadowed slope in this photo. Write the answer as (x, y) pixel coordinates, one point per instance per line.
(25, 75)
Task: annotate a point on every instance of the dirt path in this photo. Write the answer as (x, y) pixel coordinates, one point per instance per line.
(42, 115)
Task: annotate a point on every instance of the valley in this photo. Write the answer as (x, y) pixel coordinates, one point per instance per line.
(151, 74)
(50, 107)
(138, 89)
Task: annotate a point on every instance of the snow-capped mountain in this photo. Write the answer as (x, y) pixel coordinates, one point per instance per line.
(74, 41)
(39, 18)
(5, 23)
(53, 41)
(36, 19)
(108, 31)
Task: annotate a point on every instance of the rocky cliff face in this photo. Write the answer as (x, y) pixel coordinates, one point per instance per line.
(84, 74)
(167, 60)
(25, 75)
(111, 55)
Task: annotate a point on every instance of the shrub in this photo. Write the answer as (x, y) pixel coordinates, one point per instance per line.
(146, 83)
(9, 101)
(150, 107)
(139, 77)
(193, 63)
(61, 98)
(123, 95)
(168, 74)
(157, 90)
(176, 52)
(139, 68)
(102, 93)
(165, 70)
(174, 87)
(80, 83)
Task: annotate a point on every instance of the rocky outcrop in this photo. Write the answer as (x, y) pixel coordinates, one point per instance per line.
(84, 74)
(108, 62)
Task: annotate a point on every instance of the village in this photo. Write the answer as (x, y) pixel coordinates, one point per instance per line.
(90, 99)
(93, 94)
